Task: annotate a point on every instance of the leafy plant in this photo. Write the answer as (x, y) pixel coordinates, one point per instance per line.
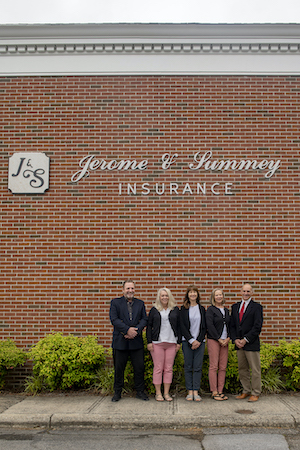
(64, 362)
(290, 352)
(104, 380)
(271, 381)
(268, 355)
(34, 384)
(10, 357)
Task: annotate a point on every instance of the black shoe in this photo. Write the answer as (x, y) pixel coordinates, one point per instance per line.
(142, 396)
(116, 397)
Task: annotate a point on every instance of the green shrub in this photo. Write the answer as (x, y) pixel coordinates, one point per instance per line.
(268, 355)
(104, 380)
(273, 377)
(290, 353)
(270, 376)
(65, 362)
(271, 381)
(10, 357)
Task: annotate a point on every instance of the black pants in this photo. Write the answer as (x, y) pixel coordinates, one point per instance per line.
(120, 361)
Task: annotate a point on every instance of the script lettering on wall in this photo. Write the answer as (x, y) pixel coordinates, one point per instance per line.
(28, 173)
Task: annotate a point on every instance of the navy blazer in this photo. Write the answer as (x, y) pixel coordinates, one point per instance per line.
(185, 324)
(250, 326)
(154, 324)
(215, 322)
(119, 317)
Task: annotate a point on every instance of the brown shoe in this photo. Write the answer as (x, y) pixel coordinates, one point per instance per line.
(253, 398)
(242, 396)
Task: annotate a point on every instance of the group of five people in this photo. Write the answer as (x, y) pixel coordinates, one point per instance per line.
(167, 327)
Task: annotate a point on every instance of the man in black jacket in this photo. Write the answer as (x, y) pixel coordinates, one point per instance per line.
(128, 317)
(245, 327)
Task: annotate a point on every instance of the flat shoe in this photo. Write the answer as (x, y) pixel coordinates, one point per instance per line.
(159, 398)
(197, 398)
(168, 398)
(189, 397)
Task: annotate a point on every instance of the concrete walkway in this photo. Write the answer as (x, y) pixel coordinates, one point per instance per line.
(67, 410)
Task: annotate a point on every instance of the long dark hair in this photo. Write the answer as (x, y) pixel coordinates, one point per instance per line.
(186, 302)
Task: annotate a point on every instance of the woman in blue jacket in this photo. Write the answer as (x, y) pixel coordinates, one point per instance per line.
(193, 329)
(164, 338)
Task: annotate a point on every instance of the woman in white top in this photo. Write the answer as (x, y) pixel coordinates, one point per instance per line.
(193, 329)
(164, 338)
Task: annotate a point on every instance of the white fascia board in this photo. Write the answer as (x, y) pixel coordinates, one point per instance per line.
(149, 50)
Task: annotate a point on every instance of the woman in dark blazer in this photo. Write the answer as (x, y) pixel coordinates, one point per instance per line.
(164, 339)
(193, 329)
(217, 321)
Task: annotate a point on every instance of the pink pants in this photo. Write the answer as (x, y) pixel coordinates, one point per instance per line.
(218, 357)
(163, 355)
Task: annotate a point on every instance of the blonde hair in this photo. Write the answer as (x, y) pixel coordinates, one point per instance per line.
(212, 296)
(171, 303)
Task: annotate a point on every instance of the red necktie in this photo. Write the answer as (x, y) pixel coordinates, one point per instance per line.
(242, 311)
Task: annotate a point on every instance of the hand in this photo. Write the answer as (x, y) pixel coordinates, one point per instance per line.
(126, 336)
(224, 342)
(195, 345)
(150, 347)
(131, 333)
(240, 343)
(177, 347)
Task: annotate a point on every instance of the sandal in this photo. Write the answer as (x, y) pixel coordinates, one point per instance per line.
(223, 396)
(218, 397)
(159, 398)
(168, 398)
(189, 397)
(197, 398)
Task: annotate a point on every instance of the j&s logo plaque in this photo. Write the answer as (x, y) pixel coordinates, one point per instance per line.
(28, 173)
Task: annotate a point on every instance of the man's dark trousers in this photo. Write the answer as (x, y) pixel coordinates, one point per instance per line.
(120, 360)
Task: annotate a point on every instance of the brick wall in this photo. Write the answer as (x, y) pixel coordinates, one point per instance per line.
(65, 253)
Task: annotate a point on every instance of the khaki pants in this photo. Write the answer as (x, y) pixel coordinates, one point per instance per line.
(247, 361)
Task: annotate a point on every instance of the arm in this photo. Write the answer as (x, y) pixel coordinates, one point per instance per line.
(203, 326)
(179, 340)
(114, 314)
(184, 324)
(149, 327)
(253, 334)
(143, 319)
(232, 324)
(211, 328)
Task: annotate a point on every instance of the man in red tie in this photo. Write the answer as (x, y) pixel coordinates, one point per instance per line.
(245, 327)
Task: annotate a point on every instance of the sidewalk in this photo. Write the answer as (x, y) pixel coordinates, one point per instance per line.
(67, 410)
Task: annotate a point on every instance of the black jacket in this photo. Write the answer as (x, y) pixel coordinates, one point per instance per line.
(250, 326)
(154, 324)
(215, 322)
(119, 317)
(185, 324)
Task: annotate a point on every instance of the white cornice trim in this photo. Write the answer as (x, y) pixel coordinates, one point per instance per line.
(125, 49)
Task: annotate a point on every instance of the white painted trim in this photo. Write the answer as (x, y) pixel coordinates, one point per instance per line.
(149, 49)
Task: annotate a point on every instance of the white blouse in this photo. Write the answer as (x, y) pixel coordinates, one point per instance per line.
(166, 332)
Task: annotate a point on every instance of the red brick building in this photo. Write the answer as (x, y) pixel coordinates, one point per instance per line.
(174, 160)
